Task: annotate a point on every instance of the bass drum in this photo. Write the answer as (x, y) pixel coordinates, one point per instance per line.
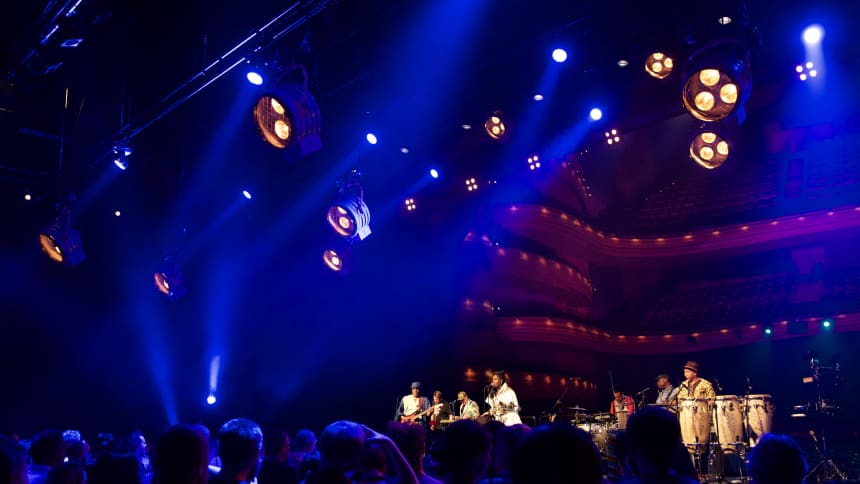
(695, 417)
(759, 415)
(729, 422)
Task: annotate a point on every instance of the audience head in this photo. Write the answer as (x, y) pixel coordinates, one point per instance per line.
(506, 439)
(653, 435)
(276, 444)
(556, 453)
(48, 448)
(114, 467)
(777, 459)
(240, 444)
(182, 456)
(13, 462)
(340, 445)
(66, 473)
(464, 451)
(412, 442)
(77, 448)
(305, 441)
(371, 464)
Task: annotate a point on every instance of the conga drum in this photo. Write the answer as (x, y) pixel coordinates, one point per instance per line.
(729, 422)
(694, 415)
(621, 415)
(759, 416)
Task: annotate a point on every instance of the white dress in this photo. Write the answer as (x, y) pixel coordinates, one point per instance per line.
(504, 406)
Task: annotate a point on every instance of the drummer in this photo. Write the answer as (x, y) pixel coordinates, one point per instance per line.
(693, 386)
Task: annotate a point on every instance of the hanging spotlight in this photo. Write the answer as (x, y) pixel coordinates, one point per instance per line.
(61, 242)
(287, 115)
(595, 114)
(471, 184)
(121, 152)
(337, 257)
(709, 149)
(717, 78)
(434, 173)
(169, 279)
(559, 55)
(348, 215)
(495, 126)
(534, 162)
(211, 400)
(612, 136)
(254, 78)
(659, 65)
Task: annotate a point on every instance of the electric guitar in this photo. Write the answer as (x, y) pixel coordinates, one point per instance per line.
(501, 409)
(417, 415)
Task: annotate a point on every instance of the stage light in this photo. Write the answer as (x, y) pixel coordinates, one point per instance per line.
(288, 116)
(724, 20)
(538, 97)
(709, 149)
(659, 65)
(495, 126)
(467, 127)
(348, 215)
(612, 136)
(623, 63)
(813, 34)
(768, 330)
(117, 213)
(121, 153)
(805, 71)
(471, 184)
(410, 204)
(246, 194)
(534, 162)
(595, 114)
(169, 279)
(28, 196)
(434, 173)
(254, 78)
(559, 55)
(371, 138)
(210, 400)
(716, 82)
(404, 150)
(827, 324)
(61, 242)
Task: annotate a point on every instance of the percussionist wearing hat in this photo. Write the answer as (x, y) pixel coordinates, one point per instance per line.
(412, 405)
(667, 393)
(693, 386)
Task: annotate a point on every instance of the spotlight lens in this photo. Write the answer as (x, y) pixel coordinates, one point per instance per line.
(657, 67)
(813, 34)
(117, 213)
(434, 173)
(246, 194)
(538, 97)
(803, 77)
(344, 222)
(827, 323)
(709, 77)
(332, 260)
(709, 137)
(657, 55)
(668, 63)
(706, 153)
(808, 65)
(623, 63)
(210, 400)
(729, 93)
(277, 107)
(28, 197)
(51, 248)
(371, 138)
(595, 114)
(559, 55)
(768, 331)
(799, 69)
(122, 165)
(813, 73)
(704, 101)
(282, 129)
(254, 78)
(723, 148)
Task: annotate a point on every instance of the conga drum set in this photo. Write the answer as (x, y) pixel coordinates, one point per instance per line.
(730, 423)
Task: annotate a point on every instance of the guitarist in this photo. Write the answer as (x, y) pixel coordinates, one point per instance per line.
(503, 402)
(412, 407)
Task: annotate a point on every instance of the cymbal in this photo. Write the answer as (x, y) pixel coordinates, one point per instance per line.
(577, 409)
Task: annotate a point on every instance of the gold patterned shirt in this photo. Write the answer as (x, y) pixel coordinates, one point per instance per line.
(700, 389)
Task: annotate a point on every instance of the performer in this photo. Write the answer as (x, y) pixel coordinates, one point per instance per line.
(503, 401)
(412, 406)
(468, 407)
(441, 411)
(622, 403)
(693, 386)
(668, 393)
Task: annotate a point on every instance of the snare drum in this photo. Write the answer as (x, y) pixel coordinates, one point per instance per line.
(759, 416)
(694, 415)
(729, 422)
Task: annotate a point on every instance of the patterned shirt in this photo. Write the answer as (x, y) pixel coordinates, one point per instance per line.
(700, 389)
(469, 410)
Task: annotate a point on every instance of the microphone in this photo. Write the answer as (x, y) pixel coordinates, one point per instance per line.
(812, 434)
(642, 391)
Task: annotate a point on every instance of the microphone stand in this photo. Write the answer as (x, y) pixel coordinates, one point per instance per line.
(553, 412)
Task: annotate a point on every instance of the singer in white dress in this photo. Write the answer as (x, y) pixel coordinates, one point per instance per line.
(503, 402)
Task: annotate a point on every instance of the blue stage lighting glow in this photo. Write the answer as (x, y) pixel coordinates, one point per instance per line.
(254, 78)
(246, 194)
(813, 34)
(434, 173)
(210, 400)
(371, 138)
(595, 114)
(768, 331)
(120, 163)
(827, 323)
(559, 55)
